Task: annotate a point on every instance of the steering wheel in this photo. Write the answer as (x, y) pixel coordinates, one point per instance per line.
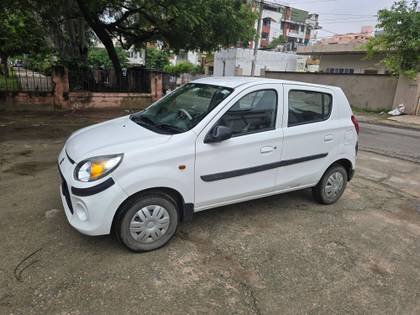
(187, 114)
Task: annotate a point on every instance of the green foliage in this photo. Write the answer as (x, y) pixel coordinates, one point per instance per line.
(276, 42)
(64, 28)
(41, 62)
(9, 83)
(156, 58)
(183, 24)
(19, 32)
(98, 57)
(204, 25)
(183, 67)
(400, 39)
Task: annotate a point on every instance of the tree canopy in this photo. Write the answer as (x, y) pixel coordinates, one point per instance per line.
(280, 40)
(71, 26)
(399, 39)
(19, 33)
(183, 24)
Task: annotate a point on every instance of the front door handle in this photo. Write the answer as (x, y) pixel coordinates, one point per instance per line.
(328, 138)
(267, 149)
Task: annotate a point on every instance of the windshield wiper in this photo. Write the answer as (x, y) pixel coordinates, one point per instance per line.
(143, 119)
(148, 123)
(169, 128)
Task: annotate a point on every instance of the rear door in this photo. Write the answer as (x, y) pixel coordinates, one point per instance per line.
(310, 135)
(242, 166)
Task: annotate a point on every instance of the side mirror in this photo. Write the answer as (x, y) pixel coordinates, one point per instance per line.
(218, 134)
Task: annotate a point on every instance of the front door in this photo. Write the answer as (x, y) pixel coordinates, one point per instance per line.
(242, 166)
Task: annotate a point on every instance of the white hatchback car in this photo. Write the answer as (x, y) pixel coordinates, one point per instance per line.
(212, 142)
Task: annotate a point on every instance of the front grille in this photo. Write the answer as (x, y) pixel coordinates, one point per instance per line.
(65, 191)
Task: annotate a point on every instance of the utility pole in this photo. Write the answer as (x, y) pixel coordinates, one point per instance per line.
(257, 36)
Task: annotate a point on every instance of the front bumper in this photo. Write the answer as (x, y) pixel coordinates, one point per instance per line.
(89, 207)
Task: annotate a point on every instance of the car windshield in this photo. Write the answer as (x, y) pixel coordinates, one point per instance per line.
(182, 109)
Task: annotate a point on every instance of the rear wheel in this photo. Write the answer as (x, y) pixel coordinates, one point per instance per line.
(148, 222)
(331, 186)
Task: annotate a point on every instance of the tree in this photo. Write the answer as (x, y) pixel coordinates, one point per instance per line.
(400, 38)
(65, 27)
(276, 42)
(156, 58)
(183, 24)
(98, 57)
(19, 33)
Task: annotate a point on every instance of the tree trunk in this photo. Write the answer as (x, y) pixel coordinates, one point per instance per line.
(4, 67)
(104, 37)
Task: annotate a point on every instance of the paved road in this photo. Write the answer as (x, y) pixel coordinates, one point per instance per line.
(390, 141)
(283, 254)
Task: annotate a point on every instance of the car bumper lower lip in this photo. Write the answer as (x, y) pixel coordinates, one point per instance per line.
(83, 192)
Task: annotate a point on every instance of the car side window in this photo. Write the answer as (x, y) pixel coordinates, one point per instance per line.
(308, 107)
(255, 112)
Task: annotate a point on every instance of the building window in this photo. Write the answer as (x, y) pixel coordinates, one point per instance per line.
(264, 35)
(371, 71)
(302, 28)
(294, 27)
(266, 21)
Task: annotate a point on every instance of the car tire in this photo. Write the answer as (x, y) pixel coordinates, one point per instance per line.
(148, 222)
(331, 186)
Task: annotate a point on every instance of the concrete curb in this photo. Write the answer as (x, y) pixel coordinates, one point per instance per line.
(388, 124)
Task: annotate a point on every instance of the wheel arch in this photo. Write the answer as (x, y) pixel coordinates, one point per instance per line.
(185, 209)
(348, 166)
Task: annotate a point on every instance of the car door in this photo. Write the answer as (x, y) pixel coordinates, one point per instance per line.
(310, 135)
(242, 166)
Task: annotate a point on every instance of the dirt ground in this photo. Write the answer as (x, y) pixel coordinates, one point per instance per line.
(278, 255)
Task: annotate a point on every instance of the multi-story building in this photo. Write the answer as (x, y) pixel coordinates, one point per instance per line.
(296, 26)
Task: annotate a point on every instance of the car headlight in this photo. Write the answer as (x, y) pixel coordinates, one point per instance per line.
(97, 167)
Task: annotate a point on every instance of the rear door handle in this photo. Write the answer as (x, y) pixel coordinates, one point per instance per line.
(328, 138)
(267, 149)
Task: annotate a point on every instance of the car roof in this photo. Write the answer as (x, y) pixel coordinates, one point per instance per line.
(234, 82)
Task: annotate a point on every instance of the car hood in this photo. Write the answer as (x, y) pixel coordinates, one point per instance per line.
(111, 137)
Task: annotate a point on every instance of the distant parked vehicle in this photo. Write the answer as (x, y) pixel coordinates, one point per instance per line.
(212, 142)
(18, 64)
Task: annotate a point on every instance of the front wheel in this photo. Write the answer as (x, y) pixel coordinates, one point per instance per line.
(148, 222)
(331, 186)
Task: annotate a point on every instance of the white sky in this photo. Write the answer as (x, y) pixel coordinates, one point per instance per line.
(341, 16)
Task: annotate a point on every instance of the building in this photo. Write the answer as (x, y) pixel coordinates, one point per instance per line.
(135, 57)
(343, 58)
(360, 38)
(193, 57)
(298, 27)
(238, 61)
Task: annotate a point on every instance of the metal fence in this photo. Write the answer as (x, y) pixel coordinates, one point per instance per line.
(98, 80)
(169, 82)
(25, 80)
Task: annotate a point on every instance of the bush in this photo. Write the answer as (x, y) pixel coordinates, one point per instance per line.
(183, 67)
(157, 59)
(98, 57)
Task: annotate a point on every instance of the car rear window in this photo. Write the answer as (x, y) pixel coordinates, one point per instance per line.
(308, 107)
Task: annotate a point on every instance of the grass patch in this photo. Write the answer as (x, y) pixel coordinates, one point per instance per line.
(9, 83)
(360, 110)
